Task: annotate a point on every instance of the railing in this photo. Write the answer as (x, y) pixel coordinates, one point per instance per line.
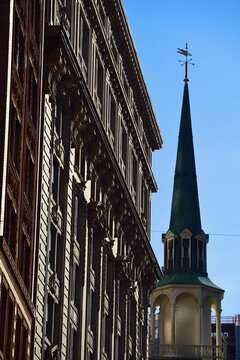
(188, 351)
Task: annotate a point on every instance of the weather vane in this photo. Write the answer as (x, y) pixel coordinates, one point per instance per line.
(186, 61)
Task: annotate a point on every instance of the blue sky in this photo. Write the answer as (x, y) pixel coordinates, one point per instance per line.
(212, 30)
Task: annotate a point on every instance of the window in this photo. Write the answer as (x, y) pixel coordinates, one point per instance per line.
(54, 250)
(124, 146)
(36, 11)
(80, 157)
(33, 89)
(185, 253)
(99, 80)
(85, 42)
(29, 179)
(77, 158)
(134, 172)
(50, 318)
(74, 344)
(107, 335)
(77, 220)
(113, 115)
(170, 254)
(93, 312)
(24, 260)
(58, 117)
(75, 284)
(108, 275)
(144, 201)
(15, 138)
(11, 229)
(21, 339)
(6, 321)
(3, 316)
(18, 51)
(200, 252)
(56, 181)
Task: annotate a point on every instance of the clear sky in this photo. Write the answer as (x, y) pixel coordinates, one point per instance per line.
(212, 30)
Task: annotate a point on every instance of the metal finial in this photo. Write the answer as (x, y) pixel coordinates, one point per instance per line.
(186, 61)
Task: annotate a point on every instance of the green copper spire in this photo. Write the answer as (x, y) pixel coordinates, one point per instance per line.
(185, 205)
(185, 243)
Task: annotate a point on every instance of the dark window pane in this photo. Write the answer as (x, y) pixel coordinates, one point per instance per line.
(3, 315)
(85, 42)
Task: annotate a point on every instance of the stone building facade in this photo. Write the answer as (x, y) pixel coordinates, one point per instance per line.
(20, 78)
(95, 266)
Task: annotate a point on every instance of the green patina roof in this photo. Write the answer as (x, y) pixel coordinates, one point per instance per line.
(187, 278)
(185, 211)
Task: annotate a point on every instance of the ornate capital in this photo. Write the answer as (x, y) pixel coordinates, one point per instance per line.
(123, 268)
(79, 189)
(97, 216)
(108, 245)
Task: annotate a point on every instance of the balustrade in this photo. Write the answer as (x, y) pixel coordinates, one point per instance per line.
(158, 351)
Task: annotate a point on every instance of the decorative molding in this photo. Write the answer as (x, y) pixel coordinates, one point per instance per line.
(18, 276)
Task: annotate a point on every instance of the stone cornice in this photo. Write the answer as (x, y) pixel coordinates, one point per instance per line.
(118, 16)
(57, 39)
(117, 84)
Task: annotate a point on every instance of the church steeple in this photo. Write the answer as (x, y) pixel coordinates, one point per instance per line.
(185, 244)
(185, 294)
(185, 211)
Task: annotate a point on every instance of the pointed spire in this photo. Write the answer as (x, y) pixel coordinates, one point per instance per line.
(185, 211)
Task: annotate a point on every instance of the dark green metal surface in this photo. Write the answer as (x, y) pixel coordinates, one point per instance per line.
(185, 211)
(187, 278)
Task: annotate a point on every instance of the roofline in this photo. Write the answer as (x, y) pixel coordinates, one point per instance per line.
(157, 141)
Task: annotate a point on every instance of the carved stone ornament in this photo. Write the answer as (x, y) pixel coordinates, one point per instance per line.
(117, 231)
(63, 19)
(56, 216)
(150, 275)
(58, 147)
(108, 245)
(80, 125)
(131, 290)
(97, 215)
(79, 188)
(123, 268)
(52, 353)
(52, 283)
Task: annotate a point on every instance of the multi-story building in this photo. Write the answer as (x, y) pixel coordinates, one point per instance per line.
(230, 335)
(20, 78)
(95, 266)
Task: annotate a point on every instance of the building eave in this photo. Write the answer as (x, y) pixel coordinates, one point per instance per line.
(134, 67)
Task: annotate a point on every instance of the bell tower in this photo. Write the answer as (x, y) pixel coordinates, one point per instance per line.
(185, 296)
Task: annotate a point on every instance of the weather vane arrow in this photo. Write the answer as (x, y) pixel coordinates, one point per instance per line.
(186, 61)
